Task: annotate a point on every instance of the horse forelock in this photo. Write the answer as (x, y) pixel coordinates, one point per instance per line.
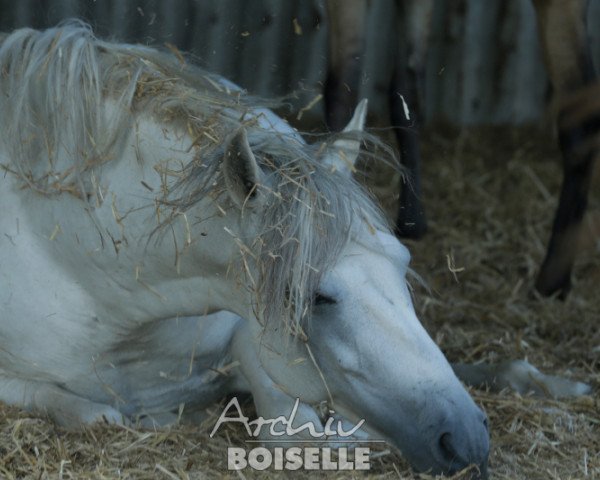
(309, 215)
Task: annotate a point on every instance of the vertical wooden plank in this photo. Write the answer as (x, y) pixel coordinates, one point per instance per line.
(174, 20)
(98, 13)
(594, 31)
(203, 22)
(60, 10)
(225, 38)
(26, 13)
(377, 62)
(528, 81)
(435, 76)
(275, 60)
(308, 66)
(451, 57)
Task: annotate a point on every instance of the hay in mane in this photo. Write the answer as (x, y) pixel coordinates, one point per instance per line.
(55, 86)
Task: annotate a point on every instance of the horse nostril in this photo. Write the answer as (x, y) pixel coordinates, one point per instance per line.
(456, 459)
(447, 447)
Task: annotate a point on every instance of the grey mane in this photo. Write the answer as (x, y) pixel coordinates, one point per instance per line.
(66, 73)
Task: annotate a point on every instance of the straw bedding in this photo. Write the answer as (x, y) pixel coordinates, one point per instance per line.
(490, 196)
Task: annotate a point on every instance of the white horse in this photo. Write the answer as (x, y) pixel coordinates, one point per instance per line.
(139, 197)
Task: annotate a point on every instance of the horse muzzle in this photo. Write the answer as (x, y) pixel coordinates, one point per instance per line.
(459, 442)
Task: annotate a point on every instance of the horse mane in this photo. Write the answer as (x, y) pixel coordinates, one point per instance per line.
(54, 88)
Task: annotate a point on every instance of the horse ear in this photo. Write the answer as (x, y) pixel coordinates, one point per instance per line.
(344, 151)
(241, 171)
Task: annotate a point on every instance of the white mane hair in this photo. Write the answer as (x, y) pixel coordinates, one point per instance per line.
(54, 86)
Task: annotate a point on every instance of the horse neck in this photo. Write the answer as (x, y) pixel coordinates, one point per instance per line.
(194, 250)
(162, 267)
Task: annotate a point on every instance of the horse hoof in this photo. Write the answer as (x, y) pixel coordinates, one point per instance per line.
(561, 286)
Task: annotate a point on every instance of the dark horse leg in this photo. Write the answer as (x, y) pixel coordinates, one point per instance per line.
(568, 61)
(347, 31)
(406, 107)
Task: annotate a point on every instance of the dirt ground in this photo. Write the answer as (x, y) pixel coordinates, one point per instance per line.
(490, 196)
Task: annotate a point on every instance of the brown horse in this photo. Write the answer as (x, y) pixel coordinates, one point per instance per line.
(347, 32)
(567, 57)
(568, 61)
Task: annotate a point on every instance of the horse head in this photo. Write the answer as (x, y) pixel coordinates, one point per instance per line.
(361, 345)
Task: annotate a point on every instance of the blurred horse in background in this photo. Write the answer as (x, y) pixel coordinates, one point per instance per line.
(562, 33)
(567, 57)
(347, 36)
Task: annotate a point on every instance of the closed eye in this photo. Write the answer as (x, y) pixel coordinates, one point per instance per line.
(321, 299)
